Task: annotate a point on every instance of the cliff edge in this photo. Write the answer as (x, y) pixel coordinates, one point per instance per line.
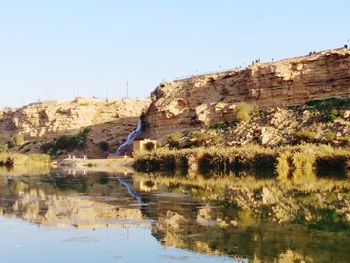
(202, 100)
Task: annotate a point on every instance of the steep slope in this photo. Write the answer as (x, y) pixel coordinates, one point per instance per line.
(206, 99)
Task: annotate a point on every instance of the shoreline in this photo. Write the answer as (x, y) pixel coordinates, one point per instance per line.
(117, 165)
(286, 161)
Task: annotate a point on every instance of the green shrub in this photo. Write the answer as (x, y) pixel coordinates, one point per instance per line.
(222, 125)
(332, 115)
(297, 162)
(219, 125)
(45, 147)
(328, 104)
(208, 159)
(329, 108)
(162, 160)
(329, 136)
(53, 152)
(235, 159)
(104, 146)
(304, 136)
(199, 138)
(174, 140)
(66, 142)
(345, 139)
(242, 111)
(16, 140)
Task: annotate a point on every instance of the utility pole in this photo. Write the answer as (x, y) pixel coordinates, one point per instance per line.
(127, 90)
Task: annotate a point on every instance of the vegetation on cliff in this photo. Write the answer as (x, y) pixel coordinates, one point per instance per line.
(66, 143)
(318, 122)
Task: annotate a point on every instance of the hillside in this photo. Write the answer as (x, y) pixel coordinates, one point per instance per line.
(41, 124)
(298, 99)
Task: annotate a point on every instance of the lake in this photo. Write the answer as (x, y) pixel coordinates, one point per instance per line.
(103, 217)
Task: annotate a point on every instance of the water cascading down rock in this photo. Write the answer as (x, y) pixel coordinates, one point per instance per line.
(130, 139)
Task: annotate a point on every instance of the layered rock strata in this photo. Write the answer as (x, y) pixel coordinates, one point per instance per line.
(202, 100)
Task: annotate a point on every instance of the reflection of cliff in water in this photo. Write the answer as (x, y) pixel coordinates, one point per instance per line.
(185, 218)
(177, 212)
(69, 201)
(261, 243)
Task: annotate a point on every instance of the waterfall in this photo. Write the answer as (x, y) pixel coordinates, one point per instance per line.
(131, 137)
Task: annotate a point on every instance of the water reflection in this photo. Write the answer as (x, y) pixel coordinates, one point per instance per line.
(207, 215)
(60, 201)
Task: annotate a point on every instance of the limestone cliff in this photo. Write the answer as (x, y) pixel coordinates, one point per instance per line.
(109, 120)
(201, 100)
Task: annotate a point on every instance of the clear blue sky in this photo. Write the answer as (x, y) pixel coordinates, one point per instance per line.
(60, 48)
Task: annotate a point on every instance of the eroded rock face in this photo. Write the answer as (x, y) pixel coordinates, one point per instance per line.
(109, 120)
(201, 100)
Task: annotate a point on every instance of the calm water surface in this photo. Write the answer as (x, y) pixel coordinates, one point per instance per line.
(119, 218)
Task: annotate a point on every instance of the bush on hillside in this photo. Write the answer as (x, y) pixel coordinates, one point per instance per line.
(329, 137)
(242, 111)
(104, 146)
(66, 142)
(199, 138)
(304, 136)
(174, 140)
(329, 108)
(16, 140)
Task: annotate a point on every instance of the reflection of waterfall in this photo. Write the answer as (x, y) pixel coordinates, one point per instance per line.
(130, 188)
(131, 137)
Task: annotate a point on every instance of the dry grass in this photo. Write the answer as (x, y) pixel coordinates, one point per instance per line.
(29, 161)
(242, 111)
(162, 160)
(291, 160)
(207, 159)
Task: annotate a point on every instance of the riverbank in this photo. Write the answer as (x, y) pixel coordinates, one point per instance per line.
(18, 163)
(284, 161)
(113, 165)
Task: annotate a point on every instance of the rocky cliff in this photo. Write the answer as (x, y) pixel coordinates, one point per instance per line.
(202, 100)
(108, 120)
